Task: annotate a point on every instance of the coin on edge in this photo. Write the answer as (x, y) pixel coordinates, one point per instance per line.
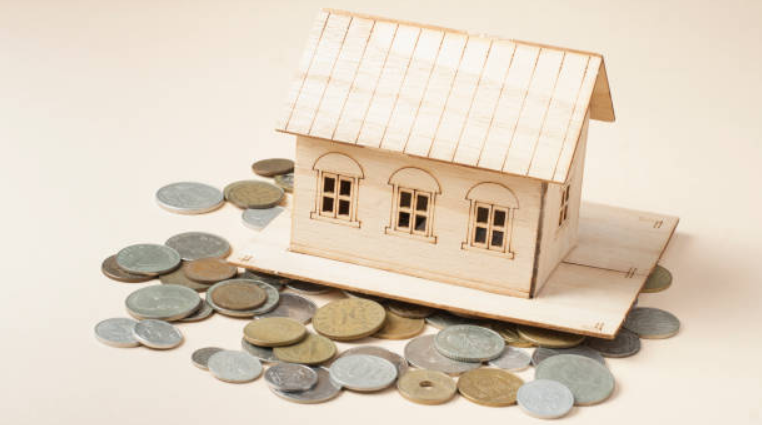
(549, 338)
(469, 343)
(293, 306)
(398, 327)
(148, 258)
(659, 280)
(274, 332)
(589, 381)
(512, 360)
(272, 166)
(349, 319)
(200, 357)
(234, 366)
(189, 198)
(490, 387)
(117, 332)
(626, 344)
(652, 323)
(410, 311)
(262, 353)
(420, 352)
(312, 350)
(542, 353)
(396, 359)
(285, 181)
(111, 270)
(163, 302)
(363, 373)
(157, 334)
(253, 194)
(545, 399)
(426, 386)
(291, 377)
(324, 390)
(195, 245)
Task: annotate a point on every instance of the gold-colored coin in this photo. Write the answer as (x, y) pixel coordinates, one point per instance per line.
(209, 270)
(426, 386)
(349, 319)
(411, 311)
(549, 338)
(659, 280)
(398, 327)
(239, 296)
(508, 331)
(253, 194)
(490, 387)
(274, 332)
(313, 349)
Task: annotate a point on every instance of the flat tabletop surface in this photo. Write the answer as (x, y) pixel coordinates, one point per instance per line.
(102, 103)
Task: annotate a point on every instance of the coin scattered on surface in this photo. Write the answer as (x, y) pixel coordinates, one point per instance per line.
(285, 181)
(469, 343)
(312, 350)
(293, 306)
(652, 323)
(262, 353)
(426, 387)
(273, 166)
(512, 359)
(277, 282)
(163, 302)
(200, 357)
(626, 344)
(545, 399)
(209, 270)
(234, 366)
(238, 294)
(307, 287)
(157, 334)
(398, 327)
(352, 294)
(410, 311)
(542, 353)
(204, 311)
(253, 194)
(189, 198)
(274, 332)
(258, 219)
(324, 390)
(111, 270)
(441, 319)
(195, 245)
(178, 277)
(659, 280)
(588, 380)
(349, 319)
(509, 333)
(490, 387)
(117, 332)
(549, 338)
(272, 298)
(420, 352)
(148, 259)
(396, 359)
(291, 377)
(364, 373)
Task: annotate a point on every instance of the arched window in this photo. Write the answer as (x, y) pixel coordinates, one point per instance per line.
(413, 198)
(337, 183)
(491, 218)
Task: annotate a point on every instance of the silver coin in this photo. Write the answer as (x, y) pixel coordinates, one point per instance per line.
(202, 312)
(626, 344)
(352, 294)
(363, 373)
(273, 298)
(291, 377)
(234, 366)
(442, 319)
(542, 353)
(285, 181)
(277, 282)
(148, 258)
(420, 352)
(258, 219)
(264, 354)
(513, 359)
(469, 343)
(545, 399)
(649, 322)
(163, 302)
(293, 306)
(189, 198)
(200, 357)
(195, 245)
(117, 332)
(588, 380)
(308, 288)
(324, 390)
(396, 359)
(157, 334)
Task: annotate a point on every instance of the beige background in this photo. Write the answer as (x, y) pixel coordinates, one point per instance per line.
(104, 101)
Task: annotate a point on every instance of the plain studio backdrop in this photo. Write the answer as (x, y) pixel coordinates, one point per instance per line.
(104, 101)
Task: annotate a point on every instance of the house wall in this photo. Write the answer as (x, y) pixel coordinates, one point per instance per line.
(445, 259)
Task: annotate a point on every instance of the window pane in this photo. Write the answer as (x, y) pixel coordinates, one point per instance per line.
(329, 184)
(404, 220)
(422, 203)
(327, 204)
(482, 215)
(497, 238)
(480, 235)
(345, 187)
(499, 219)
(420, 223)
(406, 199)
(566, 194)
(343, 207)
(560, 217)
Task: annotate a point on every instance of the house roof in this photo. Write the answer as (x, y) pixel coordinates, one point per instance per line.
(474, 100)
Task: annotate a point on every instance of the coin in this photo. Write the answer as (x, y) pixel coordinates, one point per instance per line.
(512, 359)
(352, 294)
(239, 295)
(441, 319)
(549, 338)
(157, 334)
(398, 327)
(545, 399)
(210, 270)
(349, 319)
(189, 198)
(195, 245)
(426, 387)
(508, 331)
(625, 344)
(291, 377)
(117, 332)
(111, 270)
(410, 311)
(285, 181)
(253, 194)
(659, 280)
(652, 323)
(163, 302)
(396, 359)
(307, 287)
(262, 353)
(469, 343)
(275, 281)
(324, 390)
(293, 306)
(204, 311)
(589, 381)
(542, 353)
(420, 352)
(274, 332)
(272, 298)
(234, 366)
(200, 357)
(364, 373)
(178, 277)
(273, 166)
(313, 349)
(258, 219)
(490, 387)
(148, 259)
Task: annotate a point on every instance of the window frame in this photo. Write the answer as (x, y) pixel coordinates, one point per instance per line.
(413, 213)
(505, 227)
(334, 214)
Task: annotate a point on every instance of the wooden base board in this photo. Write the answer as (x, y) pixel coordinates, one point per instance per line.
(582, 296)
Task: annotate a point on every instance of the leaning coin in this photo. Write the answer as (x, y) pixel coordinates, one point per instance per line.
(398, 327)
(117, 332)
(178, 277)
(200, 357)
(410, 311)
(273, 166)
(195, 245)
(549, 338)
(209, 270)
(545, 399)
(204, 311)
(147, 258)
(293, 306)
(396, 359)
(157, 334)
(253, 194)
(163, 302)
(420, 352)
(275, 281)
(426, 387)
(272, 298)
(625, 344)
(490, 387)
(189, 198)
(312, 350)
(441, 319)
(308, 288)
(111, 270)
(652, 323)
(234, 366)
(290, 377)
(258, 219)
(285, 181)
(349, 319)
(659, 280)
(363, 373)
(588, 380)
(508, 331)
(262, 353)
(469, 343)
(274, 332)
(512, 359)
(324, 390)
(542, 353)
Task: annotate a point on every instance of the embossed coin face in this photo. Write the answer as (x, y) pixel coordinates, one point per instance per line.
(258, 219)
(234, 366)
(426, 386)
(253, 194)
(295, 307)
(490, 387)
(652, 323)
(273, 166)
(659, 280)
(239, 295)
(469, 343)
(291, 377)
(111, 270)
(264, 354)
(549, 338)
(189, 198)
(178, 277)
(312, 350)
(626, 344)
(420, 352)
(163, 302)
(363, 373)
(512, 359)
(204, 311)
(209, 270)
(349, 319)
(324, 390)
(307, 287)
(200, 357)
(274, 332)
(542, 353)
(398, 327)
(272, 298)
(195, 245)
(588, 380)
(396, 359)
(285, 181)
(117, 332)
(410, 311)
(147, 258)
(510, 334)
(157, 334)
(545, 399)
(277, 282)
(441, 319)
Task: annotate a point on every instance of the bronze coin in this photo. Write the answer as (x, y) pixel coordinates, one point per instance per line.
(111, 269)
(209, 270)
(239, 296)
(178, 277)
(273, 166)
(253, 194)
